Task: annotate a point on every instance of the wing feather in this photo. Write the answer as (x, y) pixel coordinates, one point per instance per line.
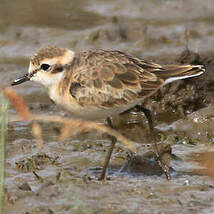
(111, 78)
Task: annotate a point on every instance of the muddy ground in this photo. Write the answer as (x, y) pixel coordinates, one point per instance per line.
(63, 177)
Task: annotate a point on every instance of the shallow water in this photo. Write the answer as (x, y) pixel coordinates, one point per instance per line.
(66, 176)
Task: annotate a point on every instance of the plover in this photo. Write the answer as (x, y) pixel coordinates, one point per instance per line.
(99, 84)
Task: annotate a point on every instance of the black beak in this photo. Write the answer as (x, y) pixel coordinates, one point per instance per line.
(20, 80)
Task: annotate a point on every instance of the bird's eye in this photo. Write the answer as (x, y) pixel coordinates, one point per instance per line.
(45, 67)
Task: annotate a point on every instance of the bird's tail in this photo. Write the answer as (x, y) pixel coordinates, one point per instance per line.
(172, 73)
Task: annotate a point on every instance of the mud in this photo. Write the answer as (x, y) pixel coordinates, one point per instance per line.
(62, 178)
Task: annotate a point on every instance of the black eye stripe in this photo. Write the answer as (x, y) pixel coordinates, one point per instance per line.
(45, 67)
(58, 69)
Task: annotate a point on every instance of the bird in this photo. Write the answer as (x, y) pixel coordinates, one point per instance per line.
(98, 84)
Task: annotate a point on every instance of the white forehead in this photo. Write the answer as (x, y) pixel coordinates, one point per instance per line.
(31, 68)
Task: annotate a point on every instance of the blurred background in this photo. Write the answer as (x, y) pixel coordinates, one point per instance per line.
(157, 30)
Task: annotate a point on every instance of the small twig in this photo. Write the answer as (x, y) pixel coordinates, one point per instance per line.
(37, 176)
(25, 114)
(72, 123)
(37, 132)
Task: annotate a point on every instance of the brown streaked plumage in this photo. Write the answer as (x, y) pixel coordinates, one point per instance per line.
(46, 53)
(100, 83)
(110, 82)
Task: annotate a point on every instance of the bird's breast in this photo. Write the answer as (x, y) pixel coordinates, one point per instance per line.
(89, 112)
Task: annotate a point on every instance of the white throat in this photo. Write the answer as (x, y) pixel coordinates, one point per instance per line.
(46, 79)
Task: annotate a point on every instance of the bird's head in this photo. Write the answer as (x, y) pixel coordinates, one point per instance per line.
(47, 66)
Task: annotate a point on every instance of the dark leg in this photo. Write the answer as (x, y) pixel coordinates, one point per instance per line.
(109, 153)
(148, 115)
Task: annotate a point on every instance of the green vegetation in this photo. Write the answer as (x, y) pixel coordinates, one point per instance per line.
(3, 137)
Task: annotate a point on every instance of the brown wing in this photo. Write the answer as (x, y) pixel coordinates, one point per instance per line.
(111, 78)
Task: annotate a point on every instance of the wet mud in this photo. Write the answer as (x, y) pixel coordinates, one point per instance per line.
(63, 177)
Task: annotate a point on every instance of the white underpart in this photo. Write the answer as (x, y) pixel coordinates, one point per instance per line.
(172, 79)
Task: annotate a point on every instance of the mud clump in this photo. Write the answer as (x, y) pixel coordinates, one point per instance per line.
(189, 57)
(36, 162)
